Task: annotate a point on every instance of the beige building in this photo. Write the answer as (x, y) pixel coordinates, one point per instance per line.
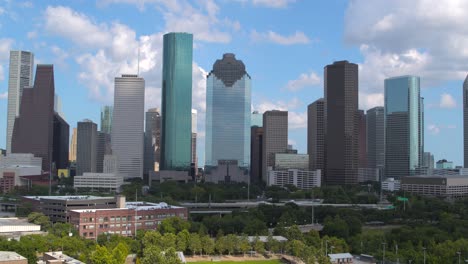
(93, 180)
(452, 186)
(10, 257)
(72, 155)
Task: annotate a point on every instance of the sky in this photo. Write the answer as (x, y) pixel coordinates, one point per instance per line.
(284, 44)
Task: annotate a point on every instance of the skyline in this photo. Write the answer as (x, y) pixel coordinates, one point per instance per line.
(93, 45)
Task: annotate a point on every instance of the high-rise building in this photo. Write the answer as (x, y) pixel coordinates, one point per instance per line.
(61, 137)
(376, 137)
(33, 128)
(256, 151)
(103, 147)
(428, 161)
(72, 154)
(176, 101)
(316, 134)
(20, 76)
(342, 129)
(86, 147)
(362, 122)
(275, 138)
(194, 161)
(465, 122)
(152, 140)
(257, 119)
(106, 118)
(403, 126)
(228, 113)
(128, 124)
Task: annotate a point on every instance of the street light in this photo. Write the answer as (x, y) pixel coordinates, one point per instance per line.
(326, 248)
(383, 258)
(424, 250)
(459, 255)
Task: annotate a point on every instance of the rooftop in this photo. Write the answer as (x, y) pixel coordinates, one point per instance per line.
(66, 259)
(139, 206)
(338, 256)
(10, 255)
(13, 221)
(69, 197)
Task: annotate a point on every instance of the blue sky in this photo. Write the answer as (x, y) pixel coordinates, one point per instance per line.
(284, 43)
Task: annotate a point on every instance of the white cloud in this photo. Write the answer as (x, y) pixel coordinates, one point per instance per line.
(59, 56)
(5, 47)
(27, 4)
(273, 3)
(2, 10)
(270, 36)
(447, 101)
(296, 119)
(432, 40)
(304, 80)
(433, 129)
(32, 34)
(367, 101)
(4, 95)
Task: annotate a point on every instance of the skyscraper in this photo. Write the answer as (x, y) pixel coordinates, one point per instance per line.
(127, 124)
(20, 75)
(194, 161)
(256, 154)
(61, 135)
(362, 122)
(228, 114)
(33, 128)
(275, 138)
(106, 118)
(86, 147)
(152, 140)
(176, 102)
(465, 122)
(257, 119)
(403, 126)
(376, 137)
(72, 154)
(316, 134)
(103, 147)
(341, 97)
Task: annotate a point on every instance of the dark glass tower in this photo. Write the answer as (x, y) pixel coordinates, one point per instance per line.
(316, 134)
(465, 122)
(256, 154)
(404, 122)
(86, 147)
(342, 129)
(362, 139)
(176, 102)
(152, 140)
(61, 138)
(376, 137)
(33, 128)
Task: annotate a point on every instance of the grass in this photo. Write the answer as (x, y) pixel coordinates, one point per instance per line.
(270, 261)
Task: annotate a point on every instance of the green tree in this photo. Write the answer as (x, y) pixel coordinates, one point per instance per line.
(40, 219)
(173, 225)
(208, 245)
(244, 244)
(182, 240)
(168, 240)
(258, 245)
(120, 253)
(195, 243)
(336, 227)
(153, 255)
(101, 255)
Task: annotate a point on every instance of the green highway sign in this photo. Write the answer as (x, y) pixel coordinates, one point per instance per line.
(403, 199)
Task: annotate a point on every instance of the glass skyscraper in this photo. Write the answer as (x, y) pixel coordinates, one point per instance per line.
(404, 122)
(228, 115)
(176, 102)
(106, 118)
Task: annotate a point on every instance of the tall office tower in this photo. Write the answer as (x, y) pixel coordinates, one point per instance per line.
(403, 125)
(103, 147)
(86, 147)
(465, 122)
(257, 119)
(127, 125)
(362, 122)
(61, 137)
(194, 161)
(428, 160)
(21, 75)
(72, 153)
(228, 114)
(376, 137)
(275, 138)
(34, 127)
(316, 134)
(256, 154)
(106, 118)
(152, 140)
(176, 102)
(342, 129)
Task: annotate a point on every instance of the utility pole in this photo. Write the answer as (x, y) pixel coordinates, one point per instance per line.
(383, 258)
(396, 252)
(424, 250)
(459, 254)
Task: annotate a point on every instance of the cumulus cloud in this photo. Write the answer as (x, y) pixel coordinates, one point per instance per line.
(4, 95)
(296, 119)
(432, 40)
(5, 47)
(270, 36)
(304, 80)
(436, 129)
(447, 101)
(273, 3)
(368, 101)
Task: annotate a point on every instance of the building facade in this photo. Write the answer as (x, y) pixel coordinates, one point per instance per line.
(316, 134)
(362, 139)
(98, 181)
(256, 154)
(228, 113)
(86, 147)
(72, 154)
(127, 125)
(403, 126)
(376, 137)
(176, 102)
(20, 75)
(302, 179)
(60, 142)
(106, 118)
(275, 138)
(194, 161)
(152, 140)
(257, 119)
(465, 122)
(436, 186)
(103, 147)
(285, 161)
(34, 127)
(342, 129)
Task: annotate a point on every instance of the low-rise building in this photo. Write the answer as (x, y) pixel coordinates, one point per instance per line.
(10, 257)
(93, 180)
(451, 186)
(391, 185)
(13, 227)
(226, 171)
(285, 161)
(124, 220)
(302, 179)
(341, 258)
(58, 257)
(13, 175)
(444, 164)
(15, 159)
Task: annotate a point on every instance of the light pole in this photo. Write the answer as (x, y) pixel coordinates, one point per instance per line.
(326, 248)
(424, 252)
(396, 253)
(383, 257)
(459, 255)
(331, 249)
